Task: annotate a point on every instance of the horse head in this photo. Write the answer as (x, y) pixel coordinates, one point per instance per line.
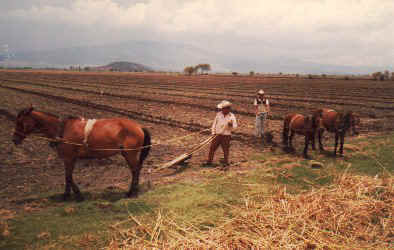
(343, 121)
(349, 120)
(25, 124)
(317, 119)
(354, 119)
(309, 122)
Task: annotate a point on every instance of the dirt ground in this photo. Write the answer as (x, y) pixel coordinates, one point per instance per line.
(176, 106)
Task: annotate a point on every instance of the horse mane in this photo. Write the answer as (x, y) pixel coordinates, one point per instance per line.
(25, 111)
(50, 114)
(72, 117)
(316, 116)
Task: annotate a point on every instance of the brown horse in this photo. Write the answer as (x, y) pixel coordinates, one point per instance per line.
(335, 122)
(299, 124)
(77, 138)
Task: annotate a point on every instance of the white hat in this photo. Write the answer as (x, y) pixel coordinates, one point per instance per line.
(225, 104)
(261, 92)
(219, 106)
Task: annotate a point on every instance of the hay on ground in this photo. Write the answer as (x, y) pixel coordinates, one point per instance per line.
(356, 212)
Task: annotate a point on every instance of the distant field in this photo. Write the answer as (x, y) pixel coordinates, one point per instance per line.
(31, 176)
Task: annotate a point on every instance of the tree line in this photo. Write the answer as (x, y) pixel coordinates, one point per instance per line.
(202, 68)
(383, 76)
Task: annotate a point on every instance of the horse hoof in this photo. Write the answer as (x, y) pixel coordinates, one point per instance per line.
(132, 195)
(66, 197)
(79, 198)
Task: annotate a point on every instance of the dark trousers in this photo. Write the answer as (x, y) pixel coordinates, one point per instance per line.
(220, 140)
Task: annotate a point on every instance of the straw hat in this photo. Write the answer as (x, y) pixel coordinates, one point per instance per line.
(225, 104)
(261, 92)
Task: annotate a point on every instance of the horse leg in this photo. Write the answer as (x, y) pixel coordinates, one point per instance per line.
(354, 130)
(291, 139)
(285, 135)
(336, 142)
(307, 138)
(320, 133)
(342, 137)
(313, 135)
(67, 175)
(69, 168)
(134, 166)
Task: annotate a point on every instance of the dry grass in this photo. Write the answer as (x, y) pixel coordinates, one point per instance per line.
(355, 212)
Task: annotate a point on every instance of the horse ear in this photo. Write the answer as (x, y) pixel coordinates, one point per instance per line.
(30, 109)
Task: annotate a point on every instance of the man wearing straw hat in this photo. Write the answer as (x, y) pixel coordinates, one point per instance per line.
(262, 106)
(222, 126)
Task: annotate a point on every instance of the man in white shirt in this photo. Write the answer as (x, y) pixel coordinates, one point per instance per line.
(262, 107)
(222, 126)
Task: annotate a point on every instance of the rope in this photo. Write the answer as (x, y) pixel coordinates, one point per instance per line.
(117, 149)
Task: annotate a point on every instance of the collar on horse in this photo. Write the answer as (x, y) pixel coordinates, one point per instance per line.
(59, 134)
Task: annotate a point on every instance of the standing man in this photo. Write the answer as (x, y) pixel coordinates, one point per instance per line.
(262, 107)
(222, 126)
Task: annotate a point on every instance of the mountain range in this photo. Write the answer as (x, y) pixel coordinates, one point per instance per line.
(170, 57)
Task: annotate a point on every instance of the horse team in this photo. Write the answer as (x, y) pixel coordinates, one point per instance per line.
(74, 138)
(316, 123)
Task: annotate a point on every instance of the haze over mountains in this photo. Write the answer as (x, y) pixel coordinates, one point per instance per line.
(172, 57)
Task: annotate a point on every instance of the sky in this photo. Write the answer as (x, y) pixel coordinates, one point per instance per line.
(337, 32)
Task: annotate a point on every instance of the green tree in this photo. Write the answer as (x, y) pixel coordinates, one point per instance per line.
(377, 75)
(386, 75)
(189, 70)
(205, 67)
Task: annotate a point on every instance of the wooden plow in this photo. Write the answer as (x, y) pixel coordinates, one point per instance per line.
(186, 156)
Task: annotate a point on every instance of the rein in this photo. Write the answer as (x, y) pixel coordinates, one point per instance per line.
(60, 140)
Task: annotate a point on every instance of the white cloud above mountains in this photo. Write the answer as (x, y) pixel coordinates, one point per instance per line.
(350, 32)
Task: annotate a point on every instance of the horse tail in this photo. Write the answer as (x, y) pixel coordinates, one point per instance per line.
(147, 142)
(285, 133)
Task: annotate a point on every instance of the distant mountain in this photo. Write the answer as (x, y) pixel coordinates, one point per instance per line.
(158, 55)
(175, 57)
(124, 67)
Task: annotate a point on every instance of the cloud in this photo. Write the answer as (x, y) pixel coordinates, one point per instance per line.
(335, 31)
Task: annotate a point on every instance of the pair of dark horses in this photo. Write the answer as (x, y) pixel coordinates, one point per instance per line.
(317, 123)
(105, 138)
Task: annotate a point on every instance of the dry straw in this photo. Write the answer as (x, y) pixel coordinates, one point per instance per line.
(356, 212)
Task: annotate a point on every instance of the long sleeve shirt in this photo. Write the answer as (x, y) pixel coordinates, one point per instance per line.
(220, 124)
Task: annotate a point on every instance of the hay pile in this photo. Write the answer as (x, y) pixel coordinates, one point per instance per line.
(356, 212)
